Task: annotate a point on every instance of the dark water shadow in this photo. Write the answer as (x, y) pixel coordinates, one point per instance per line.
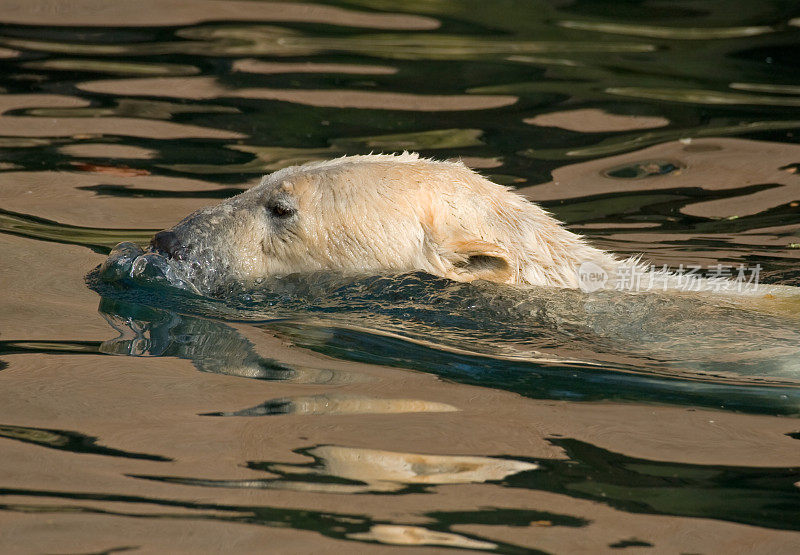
(66, 440)
(126, 191)
(755, 496)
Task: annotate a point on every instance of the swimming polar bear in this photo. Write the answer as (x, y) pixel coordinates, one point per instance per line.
(378, 214)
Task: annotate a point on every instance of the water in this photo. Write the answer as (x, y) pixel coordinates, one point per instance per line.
(330, 412)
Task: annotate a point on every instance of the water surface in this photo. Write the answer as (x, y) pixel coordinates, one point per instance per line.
(399, 412)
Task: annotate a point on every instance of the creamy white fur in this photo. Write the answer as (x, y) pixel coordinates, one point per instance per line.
(398, 213)
(402, 213)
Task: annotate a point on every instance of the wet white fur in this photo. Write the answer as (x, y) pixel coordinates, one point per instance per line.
(379, 213)
(398, 213)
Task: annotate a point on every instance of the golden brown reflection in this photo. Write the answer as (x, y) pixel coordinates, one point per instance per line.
(23, 126)
(391, 471)
(416, 535)
(50, 125)
(359, 470)
(61, 196)
(333, 403)
(591, 120)
(107, 150)
(176, 12)
(713, 164)
(104, 66)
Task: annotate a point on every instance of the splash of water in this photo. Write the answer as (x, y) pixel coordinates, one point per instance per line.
(129, 264)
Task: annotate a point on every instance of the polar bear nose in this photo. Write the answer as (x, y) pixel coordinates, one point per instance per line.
(167, 242)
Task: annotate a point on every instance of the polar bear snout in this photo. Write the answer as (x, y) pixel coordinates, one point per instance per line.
(166, 242)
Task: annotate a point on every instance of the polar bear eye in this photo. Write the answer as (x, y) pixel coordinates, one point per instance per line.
(281, 209)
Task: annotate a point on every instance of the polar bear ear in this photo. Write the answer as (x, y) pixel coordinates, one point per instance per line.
(478, 259)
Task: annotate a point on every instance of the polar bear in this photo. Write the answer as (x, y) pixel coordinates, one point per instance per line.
(378, 214)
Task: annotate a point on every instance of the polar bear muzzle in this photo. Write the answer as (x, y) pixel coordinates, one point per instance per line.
(167, 243)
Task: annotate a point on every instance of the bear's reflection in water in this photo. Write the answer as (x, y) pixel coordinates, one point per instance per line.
(541, 343)
(216, 347)
(211, 346)
(339, 469)
(694, 332)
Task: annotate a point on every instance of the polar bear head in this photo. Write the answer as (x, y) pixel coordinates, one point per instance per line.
(378, 214)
